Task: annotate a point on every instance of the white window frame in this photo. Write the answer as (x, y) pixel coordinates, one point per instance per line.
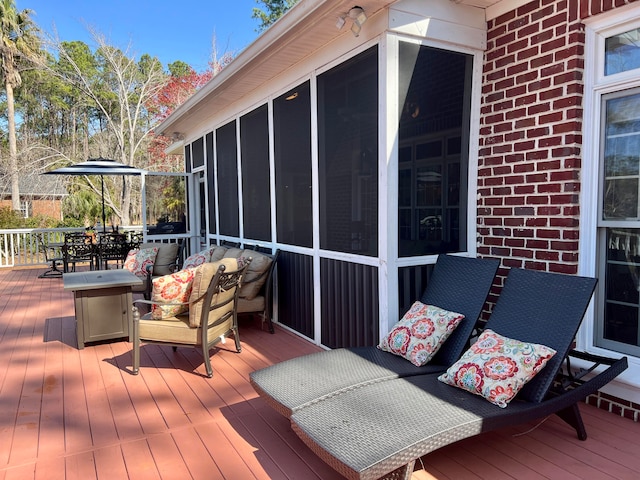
(596, 85)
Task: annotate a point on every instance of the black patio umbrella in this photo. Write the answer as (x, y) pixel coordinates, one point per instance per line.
(98, 166)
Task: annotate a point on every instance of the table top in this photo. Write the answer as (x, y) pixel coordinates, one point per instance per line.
(99, 279)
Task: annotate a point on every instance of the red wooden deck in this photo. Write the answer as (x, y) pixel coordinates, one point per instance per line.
(79, 414)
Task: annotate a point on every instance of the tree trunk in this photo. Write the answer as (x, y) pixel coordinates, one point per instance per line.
(13, 149)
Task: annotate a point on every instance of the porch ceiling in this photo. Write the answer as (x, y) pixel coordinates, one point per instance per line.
(307, 26)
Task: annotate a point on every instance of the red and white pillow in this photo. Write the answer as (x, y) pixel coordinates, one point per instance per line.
(174, 288)
(420, 333)
(497, 367)
(197, 259)
(138, 260)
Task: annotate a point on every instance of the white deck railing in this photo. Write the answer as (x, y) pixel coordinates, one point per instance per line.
(20, 247)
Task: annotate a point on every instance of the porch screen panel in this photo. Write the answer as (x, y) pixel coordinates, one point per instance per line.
(256, 196)
(292, 147)
(197, 153)
(349, 302)
(210, 182)
(435, 100)
(227, 162)
(348, 155)
(295, 292)
(187, 158)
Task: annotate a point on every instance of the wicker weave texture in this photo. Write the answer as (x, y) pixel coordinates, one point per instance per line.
(371, 431)
(459, 284)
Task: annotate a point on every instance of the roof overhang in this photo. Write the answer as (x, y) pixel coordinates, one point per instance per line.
(307, 26)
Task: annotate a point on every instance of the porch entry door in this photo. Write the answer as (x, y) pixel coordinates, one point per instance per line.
(618, 322)
(165, 206)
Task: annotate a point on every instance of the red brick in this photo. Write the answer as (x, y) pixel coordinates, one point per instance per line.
(504, 61)
(554, 69)
(537, 200)
(517, 252)
(525, 123)
(552, 93)
(563, 268)
(560, 245)
(524, 190)
(517, 113)
(564, 198)
(552, 117)
(537, 244)
(536, 222)
(569, 101)
(542, 233)
(505, 39)
(555, 20)
(540, 108)
(524, 211)
(514, 222)
(549, 210)
(539, 85)
(528, 53)
(521, 146)
(537, 155)
(549, 188)
(554, 44)
(513, 70)
(537, 132)
(514, 242)
(542, 267)
(548, 256)
(550, 165)
(514, 200)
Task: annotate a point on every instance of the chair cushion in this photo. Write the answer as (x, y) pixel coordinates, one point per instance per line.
(255, 276)
(217, 252)
(138, 259)
(171, 329)
(497, 367)
(232, 252)
(197, 259)
(203, 275)
(175, 288)
(165, 259)
(420, 333)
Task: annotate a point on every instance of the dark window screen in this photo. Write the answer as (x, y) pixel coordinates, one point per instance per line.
(256, 196)
(348, 155)
(227, 156)
(210, 182)
(292, 146)
(187, 158)
(197, 153)
(435, 92)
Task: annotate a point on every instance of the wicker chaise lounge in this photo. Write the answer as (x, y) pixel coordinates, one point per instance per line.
(459, 284)
(381, 429)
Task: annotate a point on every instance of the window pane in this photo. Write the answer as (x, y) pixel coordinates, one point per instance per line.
(622, 283)
(348, 155)
(292, 147)
(621, 158)
(622, 52)
(434, 107)
(256, 192)
(166, 201)
(227, 155)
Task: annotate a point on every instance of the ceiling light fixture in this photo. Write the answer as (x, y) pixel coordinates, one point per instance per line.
(357, 16)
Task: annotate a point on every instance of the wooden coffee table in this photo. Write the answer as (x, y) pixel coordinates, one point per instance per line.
(103, 302)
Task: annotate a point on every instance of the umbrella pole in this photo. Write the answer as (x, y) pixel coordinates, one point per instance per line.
(104, 217)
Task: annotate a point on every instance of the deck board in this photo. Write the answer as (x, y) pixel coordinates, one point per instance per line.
(80, 414)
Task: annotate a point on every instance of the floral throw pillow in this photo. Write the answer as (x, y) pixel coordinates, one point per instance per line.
(138, 260)
(497, 367)
(197, 259)
(420, 333)
(174, 288)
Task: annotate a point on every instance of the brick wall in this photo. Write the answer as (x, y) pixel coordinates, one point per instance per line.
(530, 136)
(530, 141)
(529, 165)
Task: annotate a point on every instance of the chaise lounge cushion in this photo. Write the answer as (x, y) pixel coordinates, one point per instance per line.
(497, 367)
(420, 333)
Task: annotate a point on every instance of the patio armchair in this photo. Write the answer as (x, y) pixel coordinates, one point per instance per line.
(52, 256)
(112, 247)
(379, 430)
(457, 284)
(78, 248)
(206, 318)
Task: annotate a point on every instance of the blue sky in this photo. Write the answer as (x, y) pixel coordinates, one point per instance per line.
(169, 30)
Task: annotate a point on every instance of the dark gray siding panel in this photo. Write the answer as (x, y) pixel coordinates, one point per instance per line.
(411, 283)
(349, 304)
(295, 292)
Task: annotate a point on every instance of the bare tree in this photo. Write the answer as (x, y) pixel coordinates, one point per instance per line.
(120, 91)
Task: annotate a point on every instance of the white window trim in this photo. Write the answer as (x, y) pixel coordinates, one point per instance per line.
(596, 85)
